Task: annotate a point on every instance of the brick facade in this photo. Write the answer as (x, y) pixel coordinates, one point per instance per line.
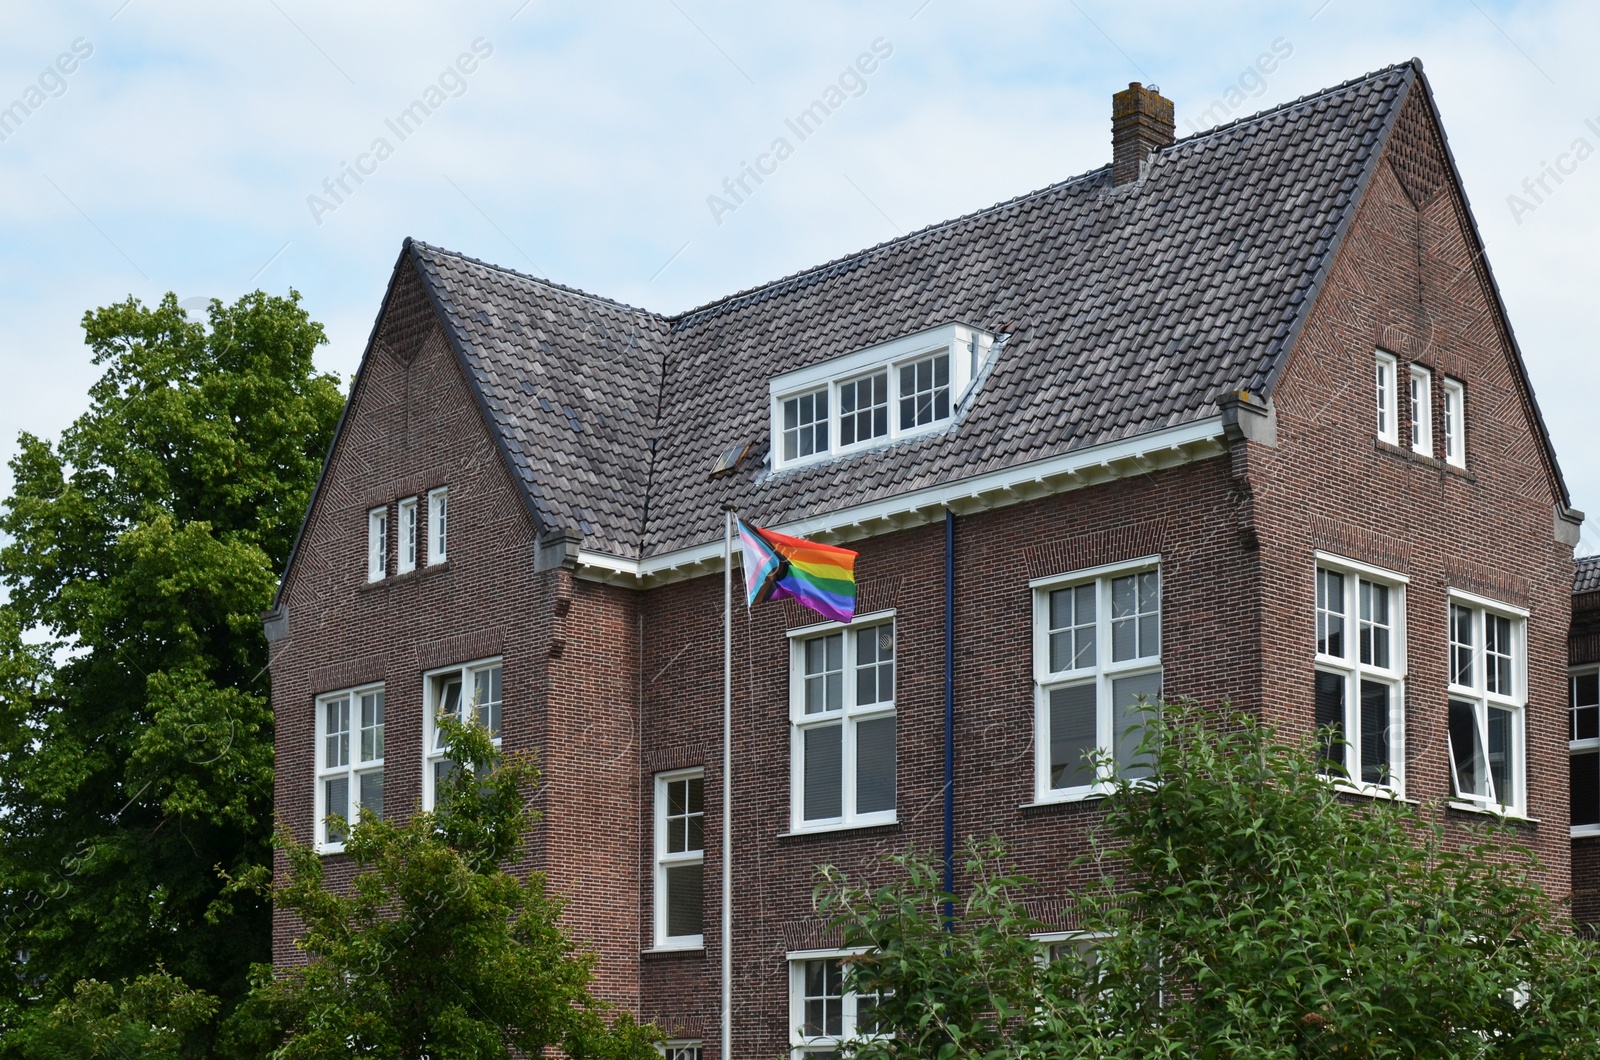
(614, 684)
(1584, 648)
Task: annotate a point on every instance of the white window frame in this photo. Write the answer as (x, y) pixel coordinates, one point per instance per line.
(1421, 410)
(665, 860)
(1387, 397)
(1478, 695)
(801, 1045)
(354, 767)
(433, 684)
(1354, 671)
(377, 544)
(848, 717)
(682, 1049)
(1103, 673)
(438, 525)
(1588, 745)
(967, 348)
(407, 514)
(1455, 422)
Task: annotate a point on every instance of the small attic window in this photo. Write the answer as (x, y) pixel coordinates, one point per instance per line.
(875, 396)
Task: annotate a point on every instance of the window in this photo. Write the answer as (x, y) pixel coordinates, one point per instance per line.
(875, 395)
(842, 709)
(681, 1050)
(925, 391)
(1360, 663)
(471, 692)
(1585, 748)
(1455, 423)
(863, 409)
(438, 524)
(1097, 663)
(408, 535)
(377, 544)
(680, 858)
(1387, 403)
(805, 425)
(1486, 699)
(822, 1014)
(1421, 410)
(349, 761)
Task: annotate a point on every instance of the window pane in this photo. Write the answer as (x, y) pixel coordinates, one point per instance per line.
(336, 714)
(1586, 706)
(1460, 645)
(1073, 736)
(1329, 697)
(444, 771)
(1497, 654)
(1466, 750)
(372, 726)
(824, 682)
(1375, 767)
(1128, 720)
(372, 792)
(875, 665)
(685, 913)
(822, 772)
(1330, 613)
(449, 704)
(335, 800)
(1501, 738)
(925, 391)
(875, 765)
(1586, 788)
(1374, 624)
(863, 408)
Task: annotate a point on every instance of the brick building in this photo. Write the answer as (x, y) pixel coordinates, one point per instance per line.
(1239, 416)
(1585, 649)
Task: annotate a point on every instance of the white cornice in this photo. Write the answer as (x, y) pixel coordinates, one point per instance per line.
(1143, 453)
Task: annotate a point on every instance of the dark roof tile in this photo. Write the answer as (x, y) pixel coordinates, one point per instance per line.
(1133, 309)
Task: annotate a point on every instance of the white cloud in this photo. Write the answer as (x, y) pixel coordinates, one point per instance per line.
(592, 136)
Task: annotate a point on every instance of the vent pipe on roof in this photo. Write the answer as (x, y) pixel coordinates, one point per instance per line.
(1141, 122)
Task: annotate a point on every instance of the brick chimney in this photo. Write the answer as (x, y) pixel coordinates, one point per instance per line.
(1141, 121)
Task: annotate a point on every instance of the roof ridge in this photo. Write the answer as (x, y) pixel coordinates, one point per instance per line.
(552, 284)
(1310, 97)
(726, 301)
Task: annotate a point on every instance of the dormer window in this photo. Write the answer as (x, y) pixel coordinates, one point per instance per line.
(875, 396)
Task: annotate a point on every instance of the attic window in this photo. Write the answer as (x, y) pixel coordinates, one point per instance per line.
(875, 396)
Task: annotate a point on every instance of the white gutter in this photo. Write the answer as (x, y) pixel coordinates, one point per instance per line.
(1142, 453)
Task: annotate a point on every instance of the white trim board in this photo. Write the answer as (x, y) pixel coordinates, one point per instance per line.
(1155, 450)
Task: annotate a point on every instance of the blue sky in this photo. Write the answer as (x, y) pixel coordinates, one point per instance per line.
(181, 153)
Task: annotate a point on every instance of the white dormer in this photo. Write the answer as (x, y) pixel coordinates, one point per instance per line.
(875, 396)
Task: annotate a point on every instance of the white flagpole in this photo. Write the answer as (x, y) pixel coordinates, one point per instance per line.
(727, 788)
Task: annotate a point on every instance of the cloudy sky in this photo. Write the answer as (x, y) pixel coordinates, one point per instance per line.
(192, 147)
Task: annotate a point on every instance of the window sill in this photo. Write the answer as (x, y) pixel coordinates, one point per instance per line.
(1384, 794)
(1585, 831)
(674, 951)
(1484, 811)
(407, 576)
(1065, 800)
(835, 829)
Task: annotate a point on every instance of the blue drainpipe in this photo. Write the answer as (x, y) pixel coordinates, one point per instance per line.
(949, 711)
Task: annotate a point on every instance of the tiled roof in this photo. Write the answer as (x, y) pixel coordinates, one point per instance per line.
(1129, 310)
(1586, 579)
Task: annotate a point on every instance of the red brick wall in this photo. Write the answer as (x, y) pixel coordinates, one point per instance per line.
(1407, 281)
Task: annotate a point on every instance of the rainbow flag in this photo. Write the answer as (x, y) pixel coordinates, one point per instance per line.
(776, 566)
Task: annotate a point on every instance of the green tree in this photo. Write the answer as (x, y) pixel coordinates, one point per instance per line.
(154, 1017)
(136, 742)
(1248, 910)
(434, 950)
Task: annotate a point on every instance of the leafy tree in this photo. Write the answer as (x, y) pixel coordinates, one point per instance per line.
(1248, 910)
(435, 950)
(136, 741)
(154, 1017)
